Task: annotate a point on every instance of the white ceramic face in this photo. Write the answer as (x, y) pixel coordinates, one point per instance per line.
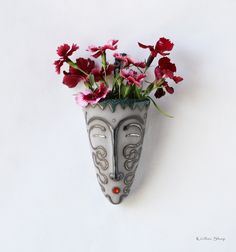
(116, 147)
(116, 152)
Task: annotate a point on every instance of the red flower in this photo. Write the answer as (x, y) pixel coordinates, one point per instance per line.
(132, 77)
(166, 69)
(162, 46)
(160, 90)
(99, 50)
(64, 51)
(129, 61)
(89, 97)
(99, 73)
(159, 93)
(74, 76)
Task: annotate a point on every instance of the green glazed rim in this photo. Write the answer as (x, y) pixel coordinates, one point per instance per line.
(124, 103)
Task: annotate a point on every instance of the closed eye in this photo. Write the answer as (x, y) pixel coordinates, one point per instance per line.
(132, 135)
(99, 135)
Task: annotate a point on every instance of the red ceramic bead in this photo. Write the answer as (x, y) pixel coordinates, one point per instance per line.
(116, 190)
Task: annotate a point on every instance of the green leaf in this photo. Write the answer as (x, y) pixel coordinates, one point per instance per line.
(159, 109)
(126, 91)
(138, 92)
(91, 79)
(104, 61)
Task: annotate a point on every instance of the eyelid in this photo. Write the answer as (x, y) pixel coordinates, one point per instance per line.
(99, 135)
(132, 135)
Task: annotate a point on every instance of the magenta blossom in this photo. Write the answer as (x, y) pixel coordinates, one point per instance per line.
(99, 50)
(129, 61)
(64, 51)
(89, 97)
(132, 77)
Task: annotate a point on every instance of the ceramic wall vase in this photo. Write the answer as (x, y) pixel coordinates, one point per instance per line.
(116, 132)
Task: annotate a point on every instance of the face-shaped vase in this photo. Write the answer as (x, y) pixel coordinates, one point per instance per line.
(116, 131)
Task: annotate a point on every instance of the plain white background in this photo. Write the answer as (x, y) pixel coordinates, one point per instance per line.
(185, 186)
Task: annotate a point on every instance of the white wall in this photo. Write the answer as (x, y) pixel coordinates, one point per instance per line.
(185, 186)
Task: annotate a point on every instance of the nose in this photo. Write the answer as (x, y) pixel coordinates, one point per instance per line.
(115, 174)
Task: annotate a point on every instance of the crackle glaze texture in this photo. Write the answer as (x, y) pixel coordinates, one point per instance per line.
(116, 132)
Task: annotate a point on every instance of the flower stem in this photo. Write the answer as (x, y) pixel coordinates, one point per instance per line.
(104, 65)
(141, 71)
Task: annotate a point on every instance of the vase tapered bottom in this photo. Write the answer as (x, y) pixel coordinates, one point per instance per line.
(116, 132)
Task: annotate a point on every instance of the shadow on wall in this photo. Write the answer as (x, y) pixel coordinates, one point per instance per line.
(157, 128)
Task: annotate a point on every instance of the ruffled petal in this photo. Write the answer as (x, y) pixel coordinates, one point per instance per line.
(163, 45)
(63, 50)
(177, 79)
(71, 80)
(80, 98)
(58, 64)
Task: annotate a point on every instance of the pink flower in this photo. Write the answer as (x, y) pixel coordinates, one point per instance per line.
(89, 97)
(129, 61)
(162, 46)
(99, 50)
(132, 77)
(64, 51)
(74, 76)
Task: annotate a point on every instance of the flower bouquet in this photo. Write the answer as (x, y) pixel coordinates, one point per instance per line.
(115, 100)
